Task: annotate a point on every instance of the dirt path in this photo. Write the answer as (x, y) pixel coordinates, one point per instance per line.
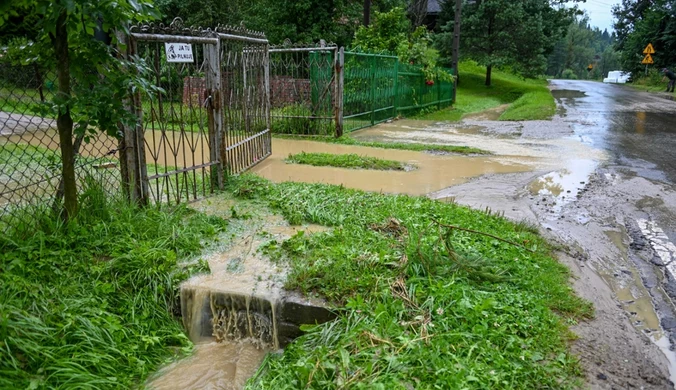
(614, 216)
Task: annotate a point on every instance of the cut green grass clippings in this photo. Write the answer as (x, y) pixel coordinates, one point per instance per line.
(416, 147)
(350, 161)
(473, 96)
(420, 305)
(89, 305)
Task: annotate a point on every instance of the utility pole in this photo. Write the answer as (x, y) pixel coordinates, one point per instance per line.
(456, 44)
(367, 12)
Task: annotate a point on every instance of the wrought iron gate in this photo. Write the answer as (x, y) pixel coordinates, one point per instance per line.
(209, 113)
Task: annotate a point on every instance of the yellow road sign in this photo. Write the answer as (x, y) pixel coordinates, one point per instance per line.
(649, 49)
(647, 59)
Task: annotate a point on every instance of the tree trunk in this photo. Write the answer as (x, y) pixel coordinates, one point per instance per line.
(489, 69)
(367, 12)
(64, 122)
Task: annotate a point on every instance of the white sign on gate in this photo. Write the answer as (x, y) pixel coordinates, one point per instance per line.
(179, 52)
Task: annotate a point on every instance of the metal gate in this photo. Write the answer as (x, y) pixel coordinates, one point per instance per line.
(208, 115)
(304, 89)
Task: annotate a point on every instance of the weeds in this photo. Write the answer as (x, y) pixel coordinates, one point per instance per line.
(352, 161)
(422, 306)
(88, 305)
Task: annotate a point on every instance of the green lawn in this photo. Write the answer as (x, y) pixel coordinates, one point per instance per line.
(420, 305)
(351, 161)
(530, 98)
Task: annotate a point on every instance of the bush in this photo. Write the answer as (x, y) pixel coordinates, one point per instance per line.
(568, 74)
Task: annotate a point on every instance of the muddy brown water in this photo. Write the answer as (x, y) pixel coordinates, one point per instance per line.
(213, 366)
(434, 172)
(234, 313)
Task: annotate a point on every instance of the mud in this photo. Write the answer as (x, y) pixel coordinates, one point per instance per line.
(434, 172)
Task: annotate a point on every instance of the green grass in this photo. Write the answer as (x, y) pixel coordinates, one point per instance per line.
(433, 148)
(352, 161)
(89, 305)
(530, 98)
(650, 83)
(420, 306)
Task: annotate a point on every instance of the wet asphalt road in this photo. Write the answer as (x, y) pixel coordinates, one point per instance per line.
(637, 129)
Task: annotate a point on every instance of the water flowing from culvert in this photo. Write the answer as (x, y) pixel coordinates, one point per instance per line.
(237, 314)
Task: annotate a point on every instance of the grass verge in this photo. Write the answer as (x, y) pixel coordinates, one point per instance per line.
(89, 305)
(420, 305)
(431, 148)
(352, 161)
(530, 98)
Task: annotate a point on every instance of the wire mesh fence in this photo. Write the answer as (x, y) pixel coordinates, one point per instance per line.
(303, 90)
(204, 118)
(322, 90)
(30, 158)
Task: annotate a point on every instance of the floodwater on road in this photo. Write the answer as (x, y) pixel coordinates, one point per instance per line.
(636, 128)
(434, 171)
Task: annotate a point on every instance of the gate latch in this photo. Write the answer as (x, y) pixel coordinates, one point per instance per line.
(208, 102)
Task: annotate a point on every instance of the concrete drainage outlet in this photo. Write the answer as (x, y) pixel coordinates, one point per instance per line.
(272, 320)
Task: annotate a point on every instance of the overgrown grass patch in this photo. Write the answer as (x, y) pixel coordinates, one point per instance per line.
(532, 95)
(431, 148)
(89, 305)
(421, 305)
(352, 161)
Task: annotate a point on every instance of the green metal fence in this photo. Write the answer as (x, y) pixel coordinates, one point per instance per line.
(379, 87)
(323, 90)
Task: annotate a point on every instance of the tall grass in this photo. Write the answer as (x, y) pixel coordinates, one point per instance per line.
(421, 305)
(89, 304)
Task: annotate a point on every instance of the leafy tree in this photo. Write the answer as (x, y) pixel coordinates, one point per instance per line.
(646, 21)
(583, 45)
(392, 32)
(506, 33)
(92, 79)
(301, 21)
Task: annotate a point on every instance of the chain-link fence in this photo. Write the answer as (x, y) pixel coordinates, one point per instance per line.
(30, 157)
(207, 116)
(303, 89)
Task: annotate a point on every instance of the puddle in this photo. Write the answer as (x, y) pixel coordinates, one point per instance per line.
(434, 172)
(564, 185)
(567, 94)
(213, 366)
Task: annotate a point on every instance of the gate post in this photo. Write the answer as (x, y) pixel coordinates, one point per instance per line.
(338, 101)
(214, 110)
(132, 145)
